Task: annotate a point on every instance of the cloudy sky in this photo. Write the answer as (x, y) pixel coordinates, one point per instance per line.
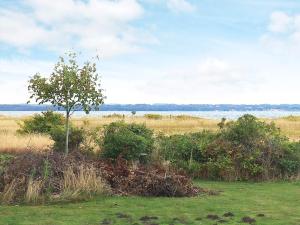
(159, 51)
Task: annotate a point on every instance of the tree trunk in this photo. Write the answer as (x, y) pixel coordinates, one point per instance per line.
(67, 133)
(191, 159)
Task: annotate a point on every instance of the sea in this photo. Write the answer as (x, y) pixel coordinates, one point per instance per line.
(203, 114)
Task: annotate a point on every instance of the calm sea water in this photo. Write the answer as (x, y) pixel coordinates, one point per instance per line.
(203, 114)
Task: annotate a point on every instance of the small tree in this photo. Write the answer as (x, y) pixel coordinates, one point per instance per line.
(68, 87)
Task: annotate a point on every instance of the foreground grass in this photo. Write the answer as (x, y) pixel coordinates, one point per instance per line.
(279, 202)
(10, 141)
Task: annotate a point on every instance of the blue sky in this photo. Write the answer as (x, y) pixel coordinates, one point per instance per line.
(159, 51)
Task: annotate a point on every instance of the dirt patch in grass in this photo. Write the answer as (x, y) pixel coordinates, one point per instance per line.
(247, 219)
(212, 217)
(148, 218)
(106, 222)
(228, 214)
(123, 216)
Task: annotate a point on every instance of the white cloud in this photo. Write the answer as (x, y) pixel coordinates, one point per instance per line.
(14, 74)
(180, 6)
(280, 22)
(248, 78)
(208, 80)
(214, 70)
(175, 5)
(283, 34)
(101, 25)
(18, 29)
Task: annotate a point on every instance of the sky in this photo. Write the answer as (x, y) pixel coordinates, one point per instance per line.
(158, 51)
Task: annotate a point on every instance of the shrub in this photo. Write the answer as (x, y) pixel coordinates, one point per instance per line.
(41, 123)
(153, 116)
(128, 141)
(246, 149)
(53, 124)
(114, 115)
(290, 161)
(76, 137)
(185, 150)
(186, 117)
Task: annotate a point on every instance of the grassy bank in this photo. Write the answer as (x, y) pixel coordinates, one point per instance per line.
(11, 142)
(276, 201)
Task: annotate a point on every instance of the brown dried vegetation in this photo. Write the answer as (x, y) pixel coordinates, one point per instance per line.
(34, 178)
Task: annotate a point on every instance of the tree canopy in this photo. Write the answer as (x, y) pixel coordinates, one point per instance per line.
(69, 87)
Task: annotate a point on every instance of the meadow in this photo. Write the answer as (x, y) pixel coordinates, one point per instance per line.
(267, 203)
(10, 141)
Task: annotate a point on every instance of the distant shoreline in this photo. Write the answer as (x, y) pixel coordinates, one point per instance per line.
(163, 107)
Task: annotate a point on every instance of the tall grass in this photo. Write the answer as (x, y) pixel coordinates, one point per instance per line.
(84, 181)
(10, 141)
(33, 193)
(8, 194)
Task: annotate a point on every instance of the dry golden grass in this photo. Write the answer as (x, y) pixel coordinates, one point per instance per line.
(168, 125)
(9, 192)
(290, 126)
(33, 192)
(84, 181)
(10, 141)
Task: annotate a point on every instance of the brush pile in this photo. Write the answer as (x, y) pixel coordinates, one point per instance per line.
(33, 177)
(151, 180)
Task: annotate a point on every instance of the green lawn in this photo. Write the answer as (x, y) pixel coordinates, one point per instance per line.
(279, 202)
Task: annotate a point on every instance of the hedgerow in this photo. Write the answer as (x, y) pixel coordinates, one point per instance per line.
(246, 149)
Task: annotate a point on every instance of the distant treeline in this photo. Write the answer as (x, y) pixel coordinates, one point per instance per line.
(163, 107)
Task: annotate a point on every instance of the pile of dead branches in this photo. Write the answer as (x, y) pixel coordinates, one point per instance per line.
(123, 178)
(150, 180)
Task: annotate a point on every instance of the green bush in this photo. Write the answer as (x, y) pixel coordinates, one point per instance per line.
(185, 147)
(153, 116)
(53, 124)
(58, 135)
(128, 141)
(290, 161)
(246, 149)
(41, 123)
(114, 115)
(185, 150)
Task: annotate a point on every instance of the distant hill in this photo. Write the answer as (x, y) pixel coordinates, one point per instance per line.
(163, 107)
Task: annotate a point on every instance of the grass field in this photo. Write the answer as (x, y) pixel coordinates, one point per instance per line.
(11, 142)
(278, 202)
